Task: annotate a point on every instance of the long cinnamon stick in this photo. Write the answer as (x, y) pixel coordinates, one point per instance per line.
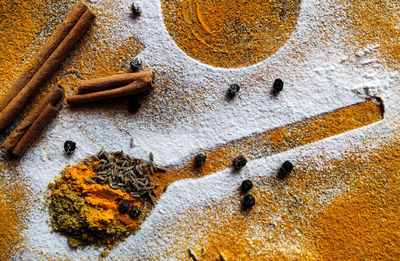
(113, 81)
(47, 114)
(17, 104)
(52, 98)
(44, 53)
(130, 89)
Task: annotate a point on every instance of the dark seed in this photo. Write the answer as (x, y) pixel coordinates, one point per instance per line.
(233, 90)
(285, 169)
(248, 202)
(278, 86)
(135, 103)
(134, 212)
(199, 160)
(123, 207)
(69, 146)
(135, 64)
(246, 186)
(136, 9)
(239, 162)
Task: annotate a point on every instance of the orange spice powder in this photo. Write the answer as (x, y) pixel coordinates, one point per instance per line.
(14, 198)
(277, 140)
(341, 209)
(373, 23)
(230, 33)
(103, 199)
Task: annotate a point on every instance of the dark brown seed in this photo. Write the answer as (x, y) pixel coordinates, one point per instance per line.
(246, 185)
(123, 207)
(278, 86)
(285, 169)
(199, 160)
(233, 90)
(239, 162)
(69, 146)
(134, 212)
(248, 202)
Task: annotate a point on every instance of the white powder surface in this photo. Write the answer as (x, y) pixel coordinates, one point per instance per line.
(325, 79)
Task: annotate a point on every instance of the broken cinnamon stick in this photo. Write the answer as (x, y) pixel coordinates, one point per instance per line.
(106, 83)
(139, 86)
(37, 126)
(53, 98)
(44, 53)
(17, 104)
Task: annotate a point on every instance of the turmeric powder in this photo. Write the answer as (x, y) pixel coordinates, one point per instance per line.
(88, 213)
(230, 33)
(346, 208)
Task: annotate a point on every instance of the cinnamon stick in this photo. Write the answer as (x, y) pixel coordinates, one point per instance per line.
(47, 114)
(17, 104)
(44, 53)
(135, 87)
(53, 98)
(113, 81)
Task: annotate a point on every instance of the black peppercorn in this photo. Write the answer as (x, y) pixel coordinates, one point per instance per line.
(135, 103)
(233, 90)
(248, 202)
(123, 207)
(278, 86)
(285, 169)
(136, 9)
(199, 160)
(239, 162)
(135, 64)
(246, 186)
(69, 146)
(134, 212)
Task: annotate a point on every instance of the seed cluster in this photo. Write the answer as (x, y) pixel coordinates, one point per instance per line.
(120, 171)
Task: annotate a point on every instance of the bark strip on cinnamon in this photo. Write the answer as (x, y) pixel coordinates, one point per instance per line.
(17, 104)
(44, 53)
(38, 125)
(118, 80)
(54, 97)
(139, 86)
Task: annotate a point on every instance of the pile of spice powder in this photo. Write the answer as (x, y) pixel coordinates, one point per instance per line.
(230, 33)
(84, 202)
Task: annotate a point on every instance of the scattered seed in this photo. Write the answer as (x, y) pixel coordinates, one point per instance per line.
(136, 9)
(199, 160)
(233, 90)
(285, 169)
(222, 256)
(134, 212)
(246, 185)
(160, 169)
(131, 143)
(123, 207)
(277, 86)
(192, 254)
(69, 146)
(248, 202)
(90, 181)
(239, 162)
(135, 64)
(151, 156)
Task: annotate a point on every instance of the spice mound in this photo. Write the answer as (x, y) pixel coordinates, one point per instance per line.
(102, 200)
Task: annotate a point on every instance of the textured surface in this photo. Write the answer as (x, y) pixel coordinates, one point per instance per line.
(188, 112)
